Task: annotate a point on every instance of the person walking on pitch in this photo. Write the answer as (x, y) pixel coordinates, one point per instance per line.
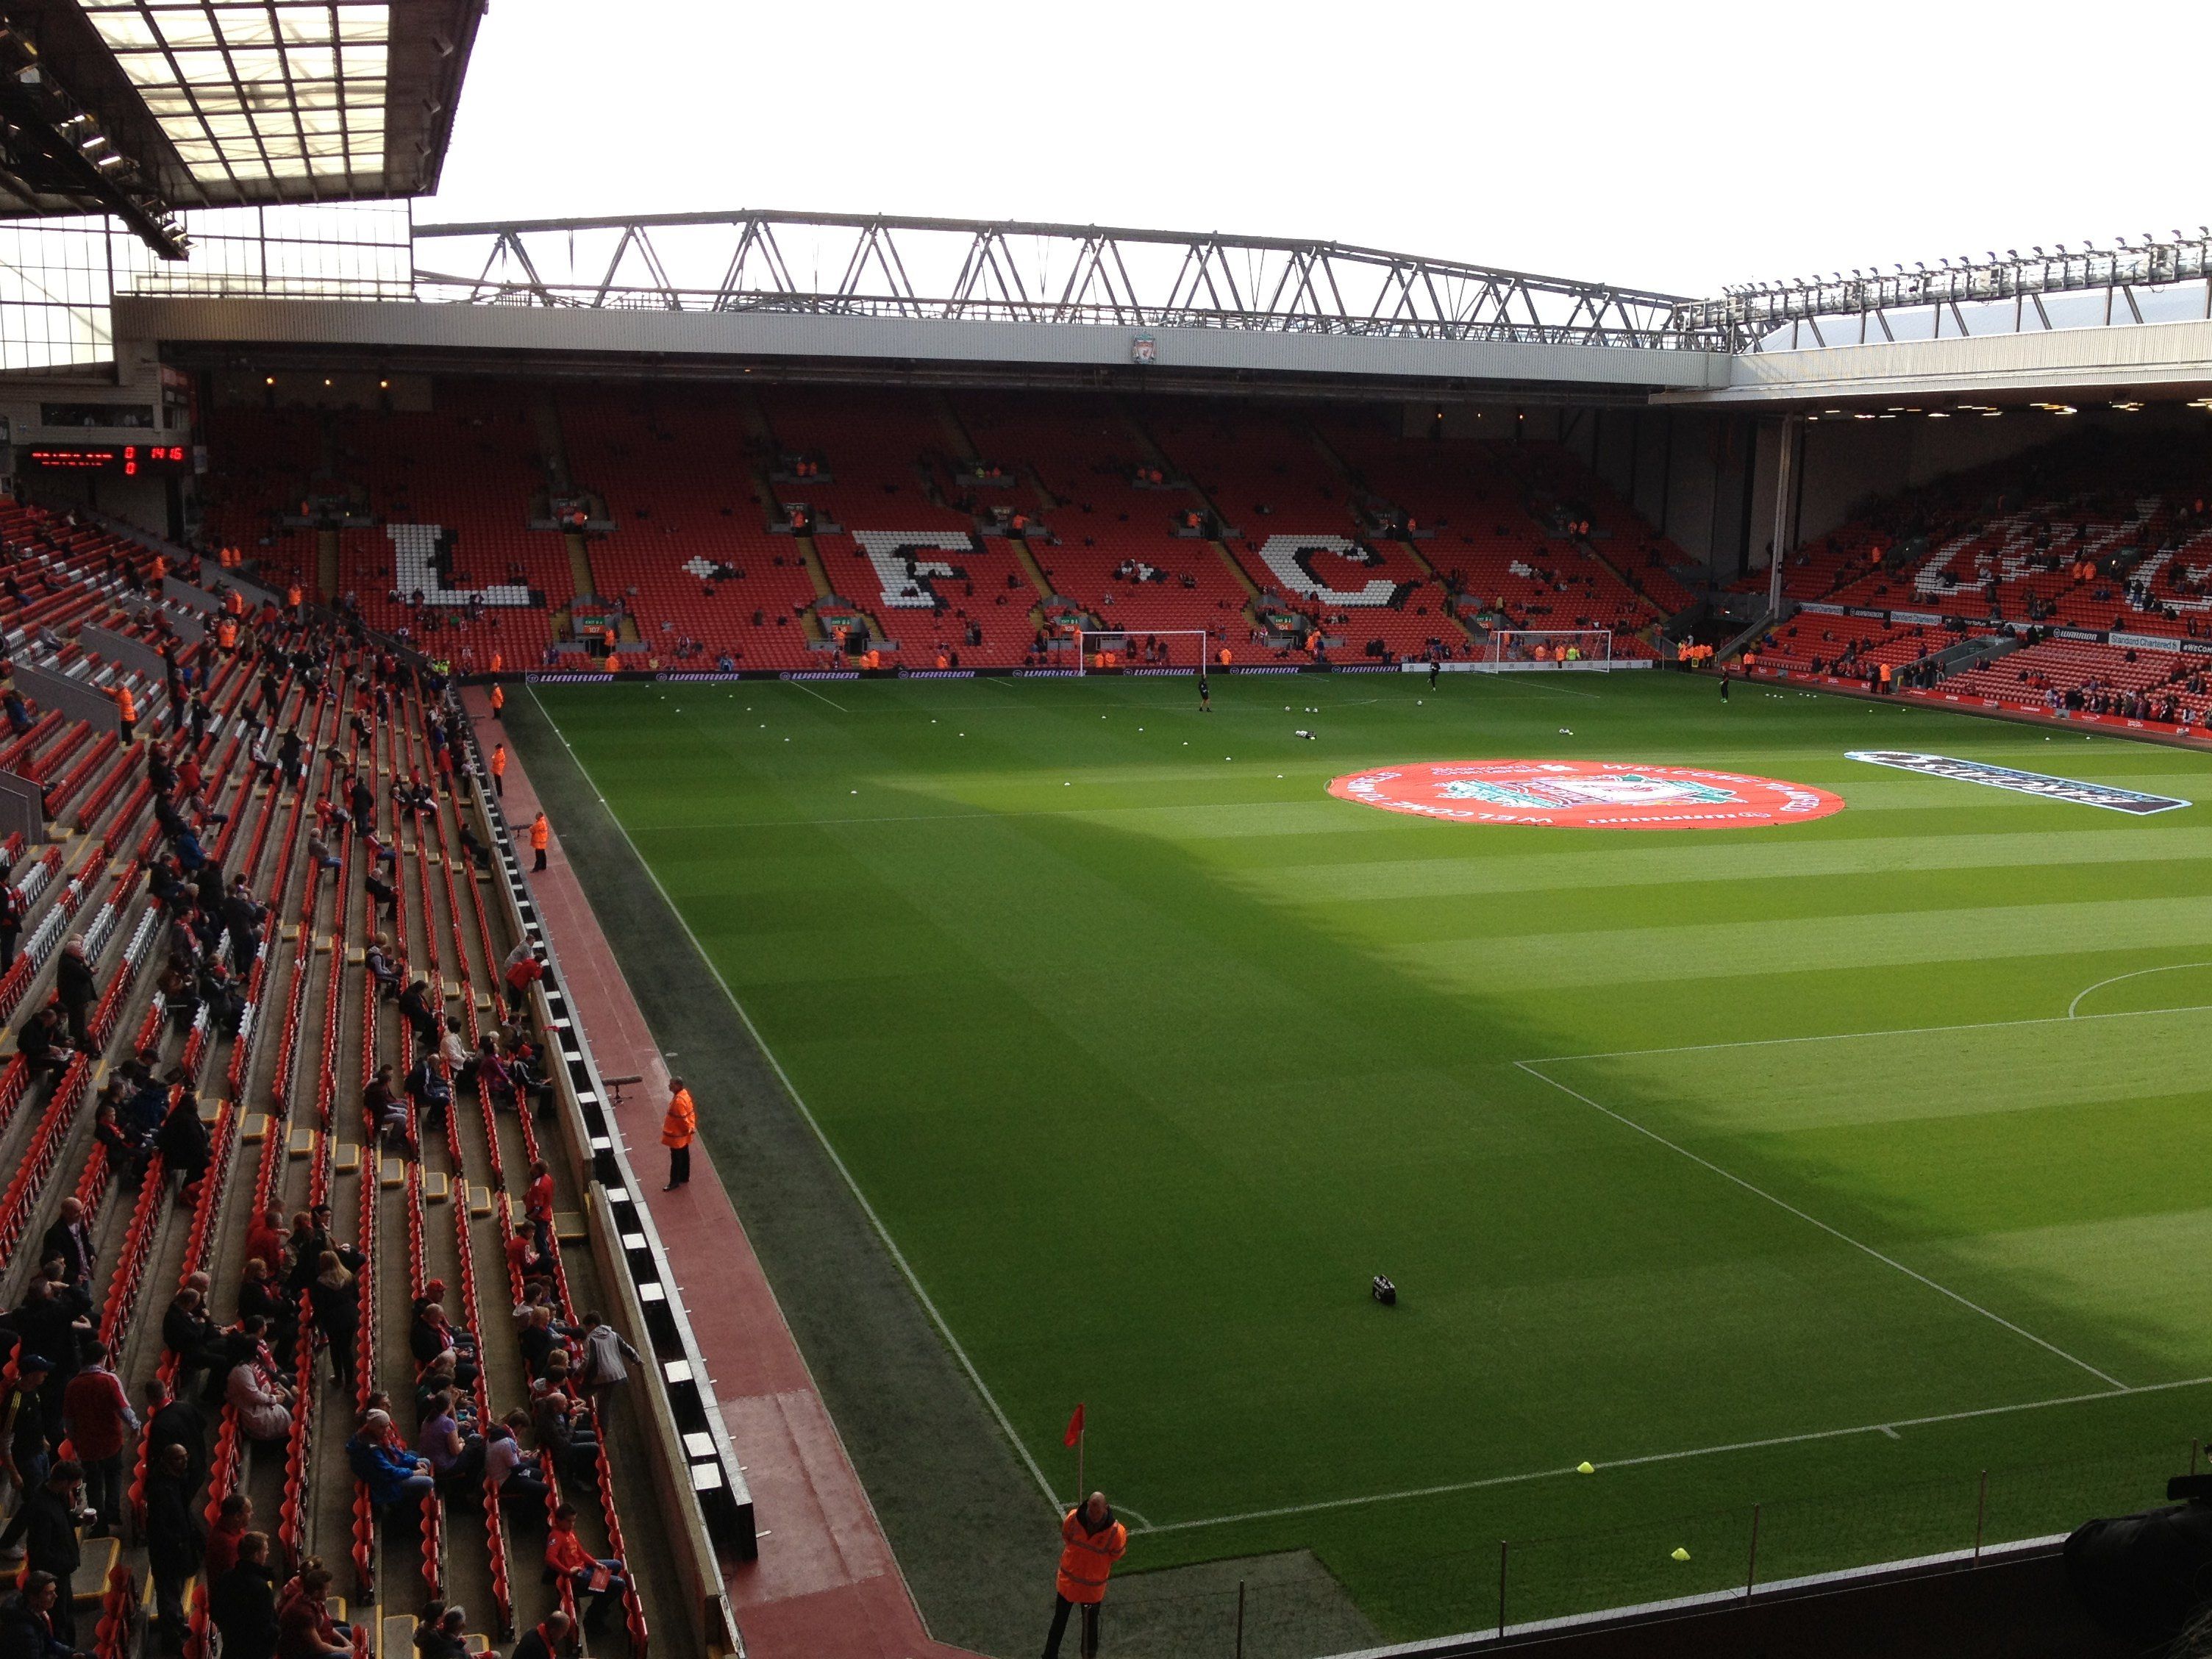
(1205, 694)
(1432, 672)
(1724, 679)
(1091, 1541)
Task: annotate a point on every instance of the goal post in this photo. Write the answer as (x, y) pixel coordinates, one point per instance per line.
(1141, 650)
(1514, 649)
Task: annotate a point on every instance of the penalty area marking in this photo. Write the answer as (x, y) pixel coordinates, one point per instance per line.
(1889, 1427)
(2047, 1345)
(2170, 968)
(1902, 1031)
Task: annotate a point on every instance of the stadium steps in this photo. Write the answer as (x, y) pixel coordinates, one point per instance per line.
(1032, 569)
(546, 418)
(824, 588)
(956, 434)
(580, 565)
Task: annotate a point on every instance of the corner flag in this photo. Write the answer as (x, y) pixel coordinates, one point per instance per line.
(1074, 1428)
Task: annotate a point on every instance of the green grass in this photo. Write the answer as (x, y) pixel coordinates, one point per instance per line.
(1148, 1054)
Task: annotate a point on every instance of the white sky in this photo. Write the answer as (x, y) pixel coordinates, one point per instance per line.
(1669, 147)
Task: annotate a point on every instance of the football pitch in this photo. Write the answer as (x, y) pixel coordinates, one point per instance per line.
(1819, 1168)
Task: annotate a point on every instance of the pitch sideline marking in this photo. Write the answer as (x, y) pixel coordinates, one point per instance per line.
(1835, 1232)
(897, 1255)
(2170, 968)
(1846, 1036)
(1888, 1427)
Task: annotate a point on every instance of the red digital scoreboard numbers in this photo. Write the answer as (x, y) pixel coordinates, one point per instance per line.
(128, 459)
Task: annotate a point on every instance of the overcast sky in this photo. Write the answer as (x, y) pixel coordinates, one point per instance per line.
(1666, 147)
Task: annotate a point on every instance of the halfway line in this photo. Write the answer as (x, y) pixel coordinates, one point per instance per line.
(1888, 1428)
(1835, 1233)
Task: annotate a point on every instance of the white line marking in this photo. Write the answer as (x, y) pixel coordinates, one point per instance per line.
(1889, 1427)
(897, 1255)
(2170, 968)
(1888, 1431)
(797, 685)
(1846, 1036)
(1834, 1232)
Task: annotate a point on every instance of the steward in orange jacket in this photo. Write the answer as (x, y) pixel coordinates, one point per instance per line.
(541, 838)
(677, 1130)
(1091, 1541)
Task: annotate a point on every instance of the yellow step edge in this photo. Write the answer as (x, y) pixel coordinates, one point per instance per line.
(301, 1143)
(393, 1172)
(436, 1188)
(479, 1200)
(569, 1226)
(347, 1159)
(256, 1127)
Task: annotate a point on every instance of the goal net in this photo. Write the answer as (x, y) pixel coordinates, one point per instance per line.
(1141, 650)
(1517, 648)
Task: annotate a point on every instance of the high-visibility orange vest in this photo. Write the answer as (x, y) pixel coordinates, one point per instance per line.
(498, 699)
(682, 1122)
(234, 602)
(495, 662)
(1086, 1558)
(125, 703)
(292, 596)
(226, 634)
(499, 761)
(541, 834)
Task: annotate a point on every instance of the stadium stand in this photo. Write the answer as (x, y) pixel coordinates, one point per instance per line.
(283, 982)
(2092, 555)
(1117, 548)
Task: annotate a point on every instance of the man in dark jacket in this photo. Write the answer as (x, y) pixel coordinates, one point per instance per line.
(243, 1602)
(182, 1140)
(69, 1240)
(243, 918)
(45, 1044)
(26, 1623)
(176, 1422)
(77, 990)
(173, 1538)
(544, 1640)
(47, 1524)
(47, 1324)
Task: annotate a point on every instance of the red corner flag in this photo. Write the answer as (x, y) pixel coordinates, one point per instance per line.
(1074, 1428)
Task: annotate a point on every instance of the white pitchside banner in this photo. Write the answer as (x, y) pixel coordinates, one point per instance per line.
(904, 576)
(1292, 559)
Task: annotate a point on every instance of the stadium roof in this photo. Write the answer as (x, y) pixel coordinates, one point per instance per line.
(142, 107)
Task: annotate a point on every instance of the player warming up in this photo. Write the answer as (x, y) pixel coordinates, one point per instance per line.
(1205, 694)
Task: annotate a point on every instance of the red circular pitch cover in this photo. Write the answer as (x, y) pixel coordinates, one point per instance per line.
(1585, 794)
